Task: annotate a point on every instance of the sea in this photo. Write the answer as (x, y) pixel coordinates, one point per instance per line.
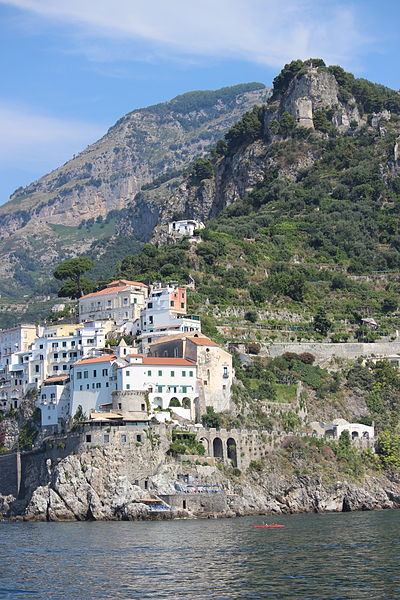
(338, 556)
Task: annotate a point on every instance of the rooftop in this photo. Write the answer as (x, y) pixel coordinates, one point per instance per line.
(95, 359)
(120, 285)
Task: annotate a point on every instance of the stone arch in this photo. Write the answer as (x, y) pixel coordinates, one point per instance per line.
(186, 403)
(206, 445)
(365, 435)
(157, 402)
(231, 451)
(354, 435)
(174, 402)
(218, 449)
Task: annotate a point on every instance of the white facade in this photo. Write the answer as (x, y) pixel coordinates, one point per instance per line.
(120, 301)
(54, 401)
(184, 227)
(171, 382)
(92, 384)
(15, 339)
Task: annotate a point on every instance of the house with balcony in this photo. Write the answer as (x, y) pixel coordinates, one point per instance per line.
(184, 227)
(119, 301)
(54, 401)
(170, 383)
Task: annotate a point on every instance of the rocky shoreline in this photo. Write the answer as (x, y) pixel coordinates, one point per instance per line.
(89, 486)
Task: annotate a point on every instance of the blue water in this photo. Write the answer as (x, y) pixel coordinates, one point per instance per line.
(319, 557)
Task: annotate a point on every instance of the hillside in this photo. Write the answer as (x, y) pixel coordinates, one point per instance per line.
(83, 202)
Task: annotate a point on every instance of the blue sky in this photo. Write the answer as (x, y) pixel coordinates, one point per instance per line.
(70, 69)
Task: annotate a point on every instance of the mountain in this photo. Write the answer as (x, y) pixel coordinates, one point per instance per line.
(81, 203)
(301, 201)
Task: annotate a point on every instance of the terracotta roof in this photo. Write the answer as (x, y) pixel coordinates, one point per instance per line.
(56, 378)
(95, 359)
(126, 282)
(172, 362)
(176, 336)
(106, 291)
(202, 341)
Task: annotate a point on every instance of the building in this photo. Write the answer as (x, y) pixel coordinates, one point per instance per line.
(358, 431)
(164, 314)
(171, 383)
(184, 227)
(15, 339)
(119, 301)
(54, 401)
(92, 384)
(214, 367)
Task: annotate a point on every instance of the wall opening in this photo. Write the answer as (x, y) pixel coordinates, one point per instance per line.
(232, 451)
(218, 450)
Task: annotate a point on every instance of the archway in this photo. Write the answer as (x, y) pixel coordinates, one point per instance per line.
(157, 402)
(174, 402)
(354, 435)
(206, 445)
(218, 450)
(186, 402)
(231, 451)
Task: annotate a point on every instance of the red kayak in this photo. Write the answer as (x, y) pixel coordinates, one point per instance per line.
(259, 526)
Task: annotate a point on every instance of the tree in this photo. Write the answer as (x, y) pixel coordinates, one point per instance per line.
(321, 322)
(73, 269)
(211, 418)
(79, 416)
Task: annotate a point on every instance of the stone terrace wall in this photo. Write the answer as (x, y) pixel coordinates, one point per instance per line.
(325, 351)
(10, 474)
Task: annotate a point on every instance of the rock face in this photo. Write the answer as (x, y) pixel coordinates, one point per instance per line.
(238, 172)
(144, 148)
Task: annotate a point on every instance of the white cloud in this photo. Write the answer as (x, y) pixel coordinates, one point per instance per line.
(41, 142)
(270, 32)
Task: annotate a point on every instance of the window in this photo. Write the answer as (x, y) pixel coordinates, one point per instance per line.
(92, 386)
(87, 386)
(106, 438)
(159, 389)
(79, 375)
(105, 372)
(148, 373)
(172, 303)
(183, 373)
(160, 373)
(190, 373)
(72, 344)
(182, 305)
(88, 437)
(85, 374)
(36, 368)
(146, 485)
(149, 340)
(55, 355)
(41, 347)
(64, 344)
(80, 388)
(94, 373)
(138, 438)
(184, 389)
(64, 355)
(54, 345)
(108, 302)
(128, 387)
(65, 367)
(119, 406)
(172, 373)
(127, 373)
(183, 294)
(123, 438)
(205, 382)
(225, 373)
(150, 305)
(143, 407)
(55, 368)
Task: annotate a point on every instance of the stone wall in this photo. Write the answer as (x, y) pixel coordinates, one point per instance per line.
(198, 503)
(10, 474)
(325, 351)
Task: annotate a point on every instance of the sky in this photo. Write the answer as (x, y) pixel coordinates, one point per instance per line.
(70, 69)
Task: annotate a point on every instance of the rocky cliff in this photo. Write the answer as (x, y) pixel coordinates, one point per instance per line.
(312, 100)
(42, 223)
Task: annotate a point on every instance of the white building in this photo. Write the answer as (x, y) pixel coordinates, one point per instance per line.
(164, 314)
(92, 384)
(171, 383)
(184, 227)
(119, 301)
(15, 339)
(54, 400)
(357, 431)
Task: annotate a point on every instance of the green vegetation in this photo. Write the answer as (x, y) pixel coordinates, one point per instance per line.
(71, 272)
(185, 443)
(27, 436)
(211, 418)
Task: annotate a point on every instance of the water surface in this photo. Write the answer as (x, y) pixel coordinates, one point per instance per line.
(315, 557)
